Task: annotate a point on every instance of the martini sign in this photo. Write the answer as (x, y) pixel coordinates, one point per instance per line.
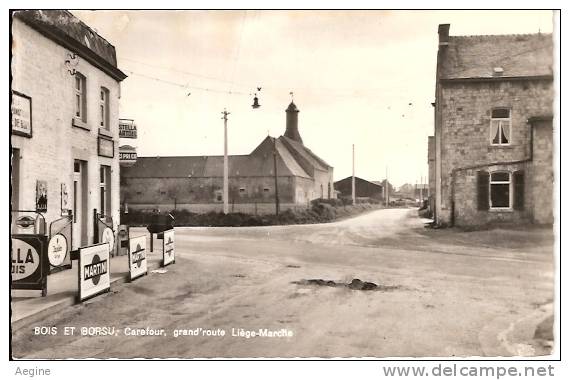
(94, 271)
(168, 248)
(137, 257)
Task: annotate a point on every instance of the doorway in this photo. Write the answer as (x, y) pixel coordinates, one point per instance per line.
(15, 199)
(15, 184)
(79, 204)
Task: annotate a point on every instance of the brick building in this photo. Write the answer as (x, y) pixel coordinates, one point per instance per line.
(363, 188)
(195, 183)
(64, 125)
(493, 129)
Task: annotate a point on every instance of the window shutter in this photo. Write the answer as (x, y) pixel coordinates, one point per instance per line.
(482, 190)
(518, 178)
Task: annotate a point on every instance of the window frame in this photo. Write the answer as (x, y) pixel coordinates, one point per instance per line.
(104, 108)
(80, 93)
(501, 120)
(104, 189)
(509, 182)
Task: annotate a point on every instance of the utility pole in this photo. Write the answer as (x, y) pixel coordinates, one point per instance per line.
(353, 180)
(275, 176)
(225, 194)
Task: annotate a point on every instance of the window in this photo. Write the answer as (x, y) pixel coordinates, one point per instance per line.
(500, 190)
(218, 196)
(104, 108)
(80, 112)
(500, 126)
(104, 189)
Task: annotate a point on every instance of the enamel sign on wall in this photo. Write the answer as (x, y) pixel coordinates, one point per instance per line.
(21, 110)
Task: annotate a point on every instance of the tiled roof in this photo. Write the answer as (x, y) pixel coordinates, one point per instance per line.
(521, 55)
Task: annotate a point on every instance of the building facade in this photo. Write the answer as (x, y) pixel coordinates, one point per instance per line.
(431, 175)
(493, 129)
(195, 183)
(64, 125)
(363, 188)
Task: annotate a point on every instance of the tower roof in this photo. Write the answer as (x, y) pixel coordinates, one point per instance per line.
(292, 107)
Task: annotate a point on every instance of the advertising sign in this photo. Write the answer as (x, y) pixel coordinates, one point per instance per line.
(127, 155)
(41, 196)
(57, 250)
(127, 129)
(137, 257)
(30, 266)
(64, 200)
(168, 248)
(21, 110)
(108, 236)
(94, 271)
(25, 221)
(106, 147)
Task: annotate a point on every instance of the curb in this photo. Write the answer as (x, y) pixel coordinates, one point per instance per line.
(66, 302)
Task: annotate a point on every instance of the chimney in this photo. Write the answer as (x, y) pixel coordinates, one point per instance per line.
(292, 128)
(443, 32)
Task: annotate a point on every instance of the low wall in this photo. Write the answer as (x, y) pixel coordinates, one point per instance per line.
(202, 208)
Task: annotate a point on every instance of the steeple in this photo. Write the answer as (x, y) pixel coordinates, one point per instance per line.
(292, 127)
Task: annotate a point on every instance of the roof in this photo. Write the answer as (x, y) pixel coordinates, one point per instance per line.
(67, 30)
(522, 55)
(356, 179)
(257, 164)
(297, 148)
(292, 107)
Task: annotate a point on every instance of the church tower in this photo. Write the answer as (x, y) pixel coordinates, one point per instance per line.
(292, 127)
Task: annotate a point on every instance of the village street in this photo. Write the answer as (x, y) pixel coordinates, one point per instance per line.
(439, 293)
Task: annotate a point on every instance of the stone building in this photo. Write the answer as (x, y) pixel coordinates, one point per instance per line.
(363, 188)
(64, 122)
(493, 129)
(431, 174)
(195, 183)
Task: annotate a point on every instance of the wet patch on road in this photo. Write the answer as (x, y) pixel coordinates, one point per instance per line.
(142, 290)
(182, 296)
(355, 284)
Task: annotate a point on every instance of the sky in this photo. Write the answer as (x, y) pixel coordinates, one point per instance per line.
(358, 77)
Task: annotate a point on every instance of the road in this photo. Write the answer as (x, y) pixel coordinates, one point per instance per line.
(439, 293)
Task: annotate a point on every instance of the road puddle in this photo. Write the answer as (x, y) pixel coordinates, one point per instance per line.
(355, 284)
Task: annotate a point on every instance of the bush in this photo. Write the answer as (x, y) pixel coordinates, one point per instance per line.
(321, 210)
